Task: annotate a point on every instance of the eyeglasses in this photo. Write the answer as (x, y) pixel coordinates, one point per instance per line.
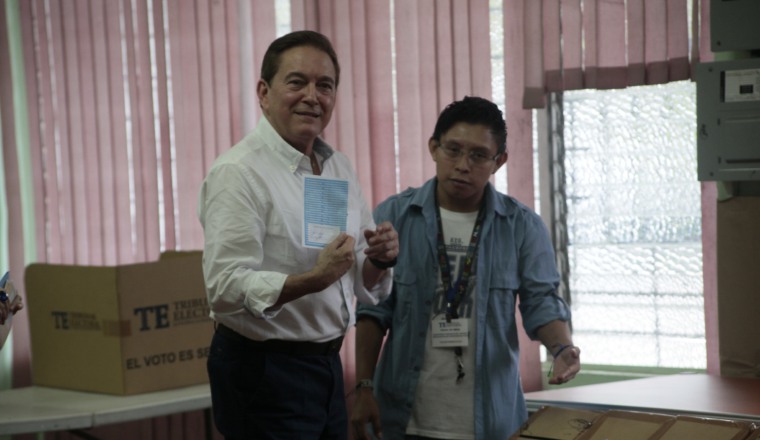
(454, 152)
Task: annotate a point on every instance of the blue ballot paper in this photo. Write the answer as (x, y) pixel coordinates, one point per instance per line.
(325, 210)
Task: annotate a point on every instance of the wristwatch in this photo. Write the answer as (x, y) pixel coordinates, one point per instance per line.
(383, 264)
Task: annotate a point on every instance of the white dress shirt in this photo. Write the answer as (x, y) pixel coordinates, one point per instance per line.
(251, 209)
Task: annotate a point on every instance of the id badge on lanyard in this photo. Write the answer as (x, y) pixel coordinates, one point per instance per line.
(453, 333)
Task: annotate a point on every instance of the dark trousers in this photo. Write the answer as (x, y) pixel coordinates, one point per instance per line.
(262, 395)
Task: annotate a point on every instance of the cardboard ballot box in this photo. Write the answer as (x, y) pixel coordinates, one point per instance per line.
(556, 423)
(119, 330)
(627, 425)
(755, 434)
(561, 423)
(701, 428)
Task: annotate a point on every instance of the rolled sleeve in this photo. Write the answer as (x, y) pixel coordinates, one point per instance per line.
(538, 313)
(380, 291)
(233, 251)
(267, 288)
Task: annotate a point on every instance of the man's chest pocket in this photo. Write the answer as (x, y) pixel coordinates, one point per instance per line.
(501, 299)
(413, 300)
(280, 242)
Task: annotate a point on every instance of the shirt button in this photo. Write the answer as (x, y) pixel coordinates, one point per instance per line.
(416, 368)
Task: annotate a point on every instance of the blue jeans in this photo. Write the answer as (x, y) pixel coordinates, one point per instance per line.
(272, 396)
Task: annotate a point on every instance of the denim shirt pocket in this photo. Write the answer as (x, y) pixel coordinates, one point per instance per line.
(405, 285)
(404, 347)
(502, 296)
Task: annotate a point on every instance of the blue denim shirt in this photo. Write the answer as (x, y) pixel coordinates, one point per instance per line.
(515, 259)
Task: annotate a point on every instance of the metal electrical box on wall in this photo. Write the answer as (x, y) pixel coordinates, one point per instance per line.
(734, 25)
(728, 120)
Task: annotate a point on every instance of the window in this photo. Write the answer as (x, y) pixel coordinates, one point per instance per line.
(633, 225)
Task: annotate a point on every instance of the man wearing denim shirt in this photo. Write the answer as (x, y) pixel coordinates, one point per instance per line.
(449, 368)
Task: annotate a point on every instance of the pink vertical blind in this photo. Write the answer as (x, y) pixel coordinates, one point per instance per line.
(206, 114)
(128, 108)
(603, 44)
(520, 148)
(442, 54)
(129, 102)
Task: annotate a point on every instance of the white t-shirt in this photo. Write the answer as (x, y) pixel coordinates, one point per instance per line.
(443, 407)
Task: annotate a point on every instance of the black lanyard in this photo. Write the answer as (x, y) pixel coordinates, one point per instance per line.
(455, 293)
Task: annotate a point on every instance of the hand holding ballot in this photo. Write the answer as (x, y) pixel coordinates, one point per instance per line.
(9, 308)
(10, 303)
(335, 259)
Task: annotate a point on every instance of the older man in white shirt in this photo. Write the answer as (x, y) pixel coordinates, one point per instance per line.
(282, 308)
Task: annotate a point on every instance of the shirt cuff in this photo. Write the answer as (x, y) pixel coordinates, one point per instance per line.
(378, 292)
(260, 299)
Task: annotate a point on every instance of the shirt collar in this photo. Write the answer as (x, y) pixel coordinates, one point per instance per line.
(289, 155)
(425, 199)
